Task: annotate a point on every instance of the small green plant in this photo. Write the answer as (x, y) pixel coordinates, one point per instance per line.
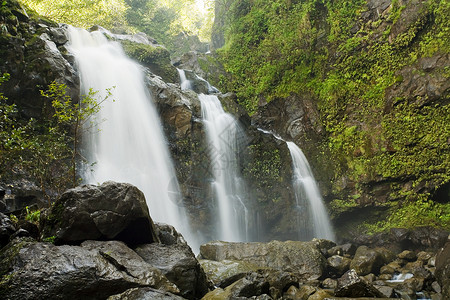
(50, 239)
(32, 216)
(13, 218)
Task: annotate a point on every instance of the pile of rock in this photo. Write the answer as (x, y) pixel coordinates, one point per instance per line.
(104, 243)
(99, 242)
(320, 269)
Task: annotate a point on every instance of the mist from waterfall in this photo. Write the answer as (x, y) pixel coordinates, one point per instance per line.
(309, 203)
(127, 144)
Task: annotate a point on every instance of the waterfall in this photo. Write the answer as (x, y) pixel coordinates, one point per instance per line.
(224, 136)
(129, 145)
(311, 209)
(185, 83)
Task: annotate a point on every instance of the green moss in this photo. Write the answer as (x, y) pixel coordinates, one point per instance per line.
(156, 58)
(416, 213)
(264, 170)
(326, 49)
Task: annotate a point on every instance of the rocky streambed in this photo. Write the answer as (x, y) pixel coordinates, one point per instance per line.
(99, 242)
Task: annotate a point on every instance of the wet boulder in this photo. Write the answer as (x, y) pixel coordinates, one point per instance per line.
(352, 285)
(366, 261)
(338, 265)
(179, 265)
(303, 259)
(111, 211)
(95, 270)
(223, 273)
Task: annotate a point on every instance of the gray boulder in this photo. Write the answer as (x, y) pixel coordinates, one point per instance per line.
(351, 285)
(303, 259)
(223, 273)
(94, 270)
(179, 265)
(338, 265)
(366, 261)
(111, 211)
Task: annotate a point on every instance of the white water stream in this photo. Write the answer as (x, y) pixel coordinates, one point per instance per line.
(129, 145)
(309, 202)
(224, 136)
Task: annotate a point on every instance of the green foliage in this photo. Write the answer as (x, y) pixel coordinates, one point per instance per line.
(32, 216)
(46, 151)
(50, 239)
(420, 212)
(80, 13)
(170, 21)
(328, 50)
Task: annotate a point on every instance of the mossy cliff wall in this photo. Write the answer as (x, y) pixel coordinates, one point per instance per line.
(363, 87)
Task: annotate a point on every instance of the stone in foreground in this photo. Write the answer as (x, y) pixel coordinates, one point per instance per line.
(111, 211)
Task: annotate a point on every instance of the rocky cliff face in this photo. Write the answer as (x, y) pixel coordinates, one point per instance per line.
(362, 88)
(42, 57)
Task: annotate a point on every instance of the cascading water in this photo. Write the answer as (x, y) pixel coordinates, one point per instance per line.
(129, 145)
(308, 199)
(224, 135)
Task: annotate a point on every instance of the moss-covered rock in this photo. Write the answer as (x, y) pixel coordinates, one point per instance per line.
(156, 58)
(376, 75)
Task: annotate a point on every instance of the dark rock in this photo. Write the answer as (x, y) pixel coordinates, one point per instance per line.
(303, 259)
(111, 211)
(30, 227)
(338, 264)
(319, 295)
(424, 256)
(168, 235)
(179, 265)
(343, 250)
(145, 293)
(410, 286)
(94, 271)
(443, 270)
(386, 291)
(305, 291)
(21, 193)
(253, 284)
(407, 255)
(329, 283)
(6, 230)
(279, 281)
(351, 285)
(366, 261)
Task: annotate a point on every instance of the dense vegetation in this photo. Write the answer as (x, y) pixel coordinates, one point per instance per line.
(168, 21)
(45, 150)
(349, 58)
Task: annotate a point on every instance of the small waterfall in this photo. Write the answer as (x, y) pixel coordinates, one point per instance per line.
(224, 135)
(185, 83)
(129, 145)
(308, 199)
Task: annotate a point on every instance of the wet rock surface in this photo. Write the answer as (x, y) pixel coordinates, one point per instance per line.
(179, 265)
(111, 211)
(96, 269)
(301, 258)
